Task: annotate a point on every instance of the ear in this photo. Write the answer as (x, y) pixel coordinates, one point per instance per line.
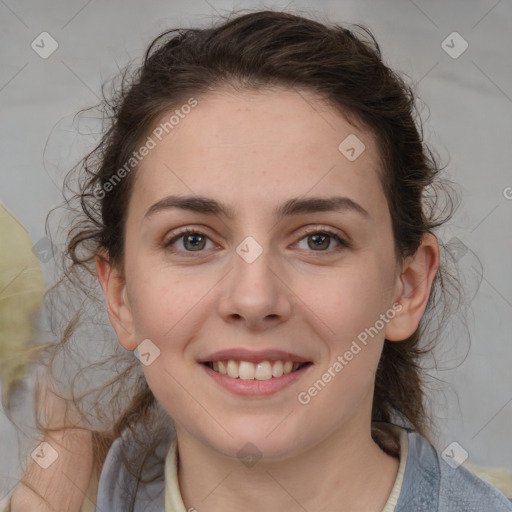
(413, 289)
(114, 287)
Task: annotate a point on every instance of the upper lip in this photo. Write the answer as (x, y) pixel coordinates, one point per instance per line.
(242, 354)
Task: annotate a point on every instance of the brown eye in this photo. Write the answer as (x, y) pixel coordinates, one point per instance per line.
(322, 241)
(319, 241)
(188, 241)
(194, 242)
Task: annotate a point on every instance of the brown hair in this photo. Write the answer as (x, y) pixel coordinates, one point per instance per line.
(265, 49)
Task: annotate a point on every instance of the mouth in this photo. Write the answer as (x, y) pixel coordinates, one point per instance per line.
(260, 371)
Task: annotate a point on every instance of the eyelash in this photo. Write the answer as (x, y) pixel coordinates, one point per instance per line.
(343, 244)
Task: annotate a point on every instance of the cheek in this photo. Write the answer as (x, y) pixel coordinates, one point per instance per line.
(351, 307)
(161, 303)
(348, 300)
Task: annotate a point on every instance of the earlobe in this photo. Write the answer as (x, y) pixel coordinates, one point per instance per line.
(414, 286)
(116, 297)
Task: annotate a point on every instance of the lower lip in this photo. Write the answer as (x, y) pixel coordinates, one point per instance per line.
(256, 387)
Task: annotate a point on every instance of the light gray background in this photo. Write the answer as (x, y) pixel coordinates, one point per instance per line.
(469, 121)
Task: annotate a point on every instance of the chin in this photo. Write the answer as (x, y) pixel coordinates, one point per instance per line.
(258, 440)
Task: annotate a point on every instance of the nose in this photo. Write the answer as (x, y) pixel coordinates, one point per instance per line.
(255, 293)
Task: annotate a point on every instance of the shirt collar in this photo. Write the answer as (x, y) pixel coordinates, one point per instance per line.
(174, 501)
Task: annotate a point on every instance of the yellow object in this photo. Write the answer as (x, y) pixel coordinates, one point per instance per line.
(22, 289)
(499, 477)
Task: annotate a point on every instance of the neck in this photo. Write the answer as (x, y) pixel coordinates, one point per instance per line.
(346, 471)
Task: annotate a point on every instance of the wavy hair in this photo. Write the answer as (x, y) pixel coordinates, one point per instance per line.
(251, 51)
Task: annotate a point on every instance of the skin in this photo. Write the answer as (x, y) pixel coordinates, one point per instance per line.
(69, 481)
(254, 151)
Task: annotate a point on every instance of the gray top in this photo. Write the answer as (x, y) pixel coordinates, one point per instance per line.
(429, 484)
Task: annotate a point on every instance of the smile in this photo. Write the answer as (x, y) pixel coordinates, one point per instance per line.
(256, 380)
(247, 370)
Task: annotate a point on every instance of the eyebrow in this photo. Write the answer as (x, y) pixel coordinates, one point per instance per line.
(295, 206)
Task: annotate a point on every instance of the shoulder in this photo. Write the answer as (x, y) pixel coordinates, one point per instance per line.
(119, 485)
(464, 490)
(432, 485)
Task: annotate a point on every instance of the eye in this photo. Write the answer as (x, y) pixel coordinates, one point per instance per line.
(320, 240)
(190, 240)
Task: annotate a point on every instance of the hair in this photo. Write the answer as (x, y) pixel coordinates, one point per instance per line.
(254, 51)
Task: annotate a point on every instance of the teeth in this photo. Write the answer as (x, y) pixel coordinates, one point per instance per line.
(246, 370)
(277, 369)
(233, 369)
(263, 371)
(222, 368)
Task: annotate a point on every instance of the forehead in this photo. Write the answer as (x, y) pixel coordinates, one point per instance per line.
(261, 146)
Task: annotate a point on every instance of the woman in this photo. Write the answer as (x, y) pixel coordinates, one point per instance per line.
(258, 219)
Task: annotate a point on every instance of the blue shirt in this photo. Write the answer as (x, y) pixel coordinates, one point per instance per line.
(429, 483)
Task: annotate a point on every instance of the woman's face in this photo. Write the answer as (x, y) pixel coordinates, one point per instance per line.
(266, 276)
